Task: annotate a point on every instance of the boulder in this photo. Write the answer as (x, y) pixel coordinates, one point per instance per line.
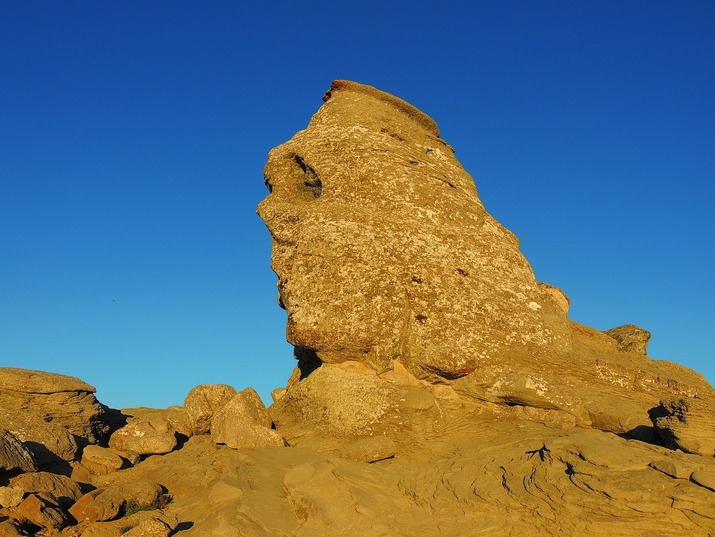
(40, 511)
(63, 400)
(687, 424)
(386, 256)
(145, 437)
(346, 403)
(153, 523)
(109, 503)
(175, 415)
(244, 422)
(66, 491)
(630, 338)
(203, 401)
(100, 461)
(14, 455)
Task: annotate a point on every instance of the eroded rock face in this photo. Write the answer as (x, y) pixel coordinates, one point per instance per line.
(688, 424)
(630, 338)
(385, 255)
(14, 455)
(383, 249)
(61, 400)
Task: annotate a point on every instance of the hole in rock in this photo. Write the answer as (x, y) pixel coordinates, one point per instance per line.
(308, 361)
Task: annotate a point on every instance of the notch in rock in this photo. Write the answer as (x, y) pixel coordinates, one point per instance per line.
(311, 182)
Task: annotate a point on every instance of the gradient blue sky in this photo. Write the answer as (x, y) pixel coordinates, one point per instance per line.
(133, 137)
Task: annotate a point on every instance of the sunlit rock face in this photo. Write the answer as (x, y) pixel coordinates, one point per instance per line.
(384, 254)
(383, 249)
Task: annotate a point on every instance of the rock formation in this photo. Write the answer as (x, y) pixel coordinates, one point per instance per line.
(440, 389)
(385, 255)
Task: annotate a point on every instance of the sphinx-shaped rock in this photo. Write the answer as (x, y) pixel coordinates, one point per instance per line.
(385, 254)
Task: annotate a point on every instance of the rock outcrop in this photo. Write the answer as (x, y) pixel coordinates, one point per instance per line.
(385, 255)
(630, 338)
(55, 399)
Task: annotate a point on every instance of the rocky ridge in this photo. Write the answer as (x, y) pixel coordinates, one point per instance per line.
(440, 389)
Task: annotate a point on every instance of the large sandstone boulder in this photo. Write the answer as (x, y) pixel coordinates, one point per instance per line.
(385, 255)
(115, 500)
(244, 422)
(145, 437)
(61, 400)
(203, 401)
(100, 460)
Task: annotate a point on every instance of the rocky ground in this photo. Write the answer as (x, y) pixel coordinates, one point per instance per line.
(440, 390)
(440, 465)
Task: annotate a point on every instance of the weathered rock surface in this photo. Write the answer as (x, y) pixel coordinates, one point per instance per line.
(244, 422)
(14, 455)
(484, 470)
(59, 399)
(385, 254)
(688, 424)
(630, 338)
(145, 437)
(62, 488)
(111, 502)
(101, 460)
(49, 442)
(40, 511)
(203, 401)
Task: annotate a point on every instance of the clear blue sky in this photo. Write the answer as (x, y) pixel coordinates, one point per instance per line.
(133, 137)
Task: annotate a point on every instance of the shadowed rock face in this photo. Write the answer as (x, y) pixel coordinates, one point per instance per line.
(385, 254)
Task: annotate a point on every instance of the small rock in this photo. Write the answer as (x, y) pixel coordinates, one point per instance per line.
(668, 467)
(154, 437)
(101, 460)
(704, 478)
(11, 497)
(14, 455)
(203, 401)
(111, 502)
(277, 394)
